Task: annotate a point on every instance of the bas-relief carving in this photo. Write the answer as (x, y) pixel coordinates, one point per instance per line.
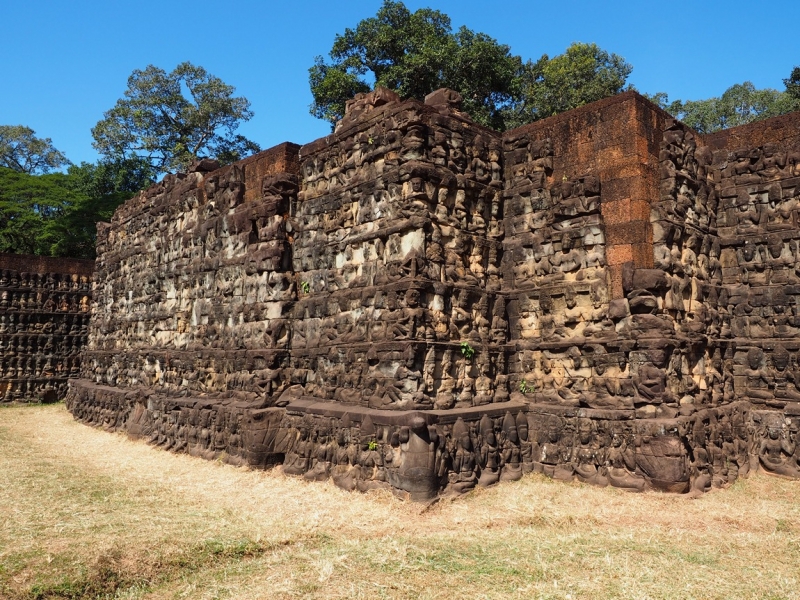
(428, 309)
(44, 320)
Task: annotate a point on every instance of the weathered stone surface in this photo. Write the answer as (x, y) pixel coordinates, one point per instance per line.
(419, 303)
(44, 324)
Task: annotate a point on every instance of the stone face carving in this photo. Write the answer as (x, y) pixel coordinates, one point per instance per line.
(44, 322)
(421, 304)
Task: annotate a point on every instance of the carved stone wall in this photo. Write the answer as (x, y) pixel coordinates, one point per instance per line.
(756, 178)
(397, 252)
(420, 303)
(44, 321)
(193, 287)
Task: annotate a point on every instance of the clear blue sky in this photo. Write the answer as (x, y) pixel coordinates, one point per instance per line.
(66, 62)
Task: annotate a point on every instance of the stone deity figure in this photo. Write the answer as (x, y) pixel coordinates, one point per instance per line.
(569, 259)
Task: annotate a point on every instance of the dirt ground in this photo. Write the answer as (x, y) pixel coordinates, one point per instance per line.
(89, 514)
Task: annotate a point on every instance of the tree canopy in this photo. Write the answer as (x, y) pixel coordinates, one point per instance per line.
(415, 53)
(27, 204)
(792, 84)
(740, 104)
(584, 73)
(56, 214)
(165, 121)
(171, 119)
(22, 151)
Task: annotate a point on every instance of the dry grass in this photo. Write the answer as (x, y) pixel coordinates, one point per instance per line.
(87, 514)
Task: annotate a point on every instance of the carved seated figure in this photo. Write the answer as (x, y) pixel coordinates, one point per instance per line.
(650, 383)
(460, 317)
(345, 458)
(488, 453)
(780, 261)
(444, 394)
(298, 456)
(462, 477)
(555, 387)
(758, 383)
(499, 326)
(777, 451)
(476, 263)
(416, 197)
(554, 456)
(587, 455)
(751, 261)
(569, 260)
(477, 221)
(621, 462)
(510, 458)
(455, 271)
(401, 391)
(483, 384)
(604, 390)
(551, 323)
(496, 224)
(411, 323)
(749, 214)
(575, 317)
(785, 382)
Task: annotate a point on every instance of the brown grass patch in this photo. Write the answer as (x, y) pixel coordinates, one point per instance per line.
(87, 514)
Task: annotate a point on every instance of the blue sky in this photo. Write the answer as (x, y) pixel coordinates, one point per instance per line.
(66, 62)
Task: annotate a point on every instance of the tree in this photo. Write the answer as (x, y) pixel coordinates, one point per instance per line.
(415, 54)
(107, 178)
(792, 84)
(98, 189)
(584, 73)
(23, 152)
(155, 121)
(740, 104)
(27, 203)
(56, 214)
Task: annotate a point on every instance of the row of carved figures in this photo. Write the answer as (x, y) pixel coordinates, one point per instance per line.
(712, 449)
(73, 302)
(15, 280)
(39, 365)
(39, 389)
(41, 344)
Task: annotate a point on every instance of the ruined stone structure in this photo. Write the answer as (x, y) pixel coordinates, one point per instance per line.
(44, 323)
(420, 303)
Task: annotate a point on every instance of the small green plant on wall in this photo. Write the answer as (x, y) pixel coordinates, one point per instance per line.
(305, 286)
(467, 350)
(373, 445)
(524, 387)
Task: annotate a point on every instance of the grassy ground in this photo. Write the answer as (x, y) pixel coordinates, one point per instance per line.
(87, 514)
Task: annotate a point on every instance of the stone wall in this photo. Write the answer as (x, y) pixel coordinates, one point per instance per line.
(756, 178)
(420, 303)
(397, 252)
(44, 319)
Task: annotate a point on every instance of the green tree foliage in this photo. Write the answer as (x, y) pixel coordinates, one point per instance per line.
(27, 204)
(584, 73)
(415, 54)
(99, 189)
(792, 84)
(122, 178)
(170, 119)
(740, 104)
(56, 214)
(22, 151)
